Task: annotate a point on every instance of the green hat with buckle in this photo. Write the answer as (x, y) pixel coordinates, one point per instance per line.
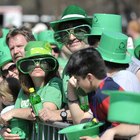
(112, 47)
(103, 22)
(72, 12)
(38, 49)
(124, 107)
(5, 55)
(48, 35)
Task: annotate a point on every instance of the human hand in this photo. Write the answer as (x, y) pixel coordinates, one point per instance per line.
(46, 114)
(89, 138)
(5, 133)
(108, 135)
(72, 85)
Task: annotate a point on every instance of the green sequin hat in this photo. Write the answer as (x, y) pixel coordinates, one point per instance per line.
(112, 47)
(72, 12)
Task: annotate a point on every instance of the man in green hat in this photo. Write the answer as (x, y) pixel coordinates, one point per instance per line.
(70, 31)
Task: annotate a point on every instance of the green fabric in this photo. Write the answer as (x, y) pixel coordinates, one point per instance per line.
(52, 92)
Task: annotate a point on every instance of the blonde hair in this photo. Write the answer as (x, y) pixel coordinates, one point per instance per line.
(9, 88)
(134, 25)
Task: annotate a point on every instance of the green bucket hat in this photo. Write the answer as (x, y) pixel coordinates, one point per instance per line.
(124, 107)
(37, 49)
(112, 47)
(5, 55)
(48, 35)
(72, 12)
(76, 131)
(102, 22)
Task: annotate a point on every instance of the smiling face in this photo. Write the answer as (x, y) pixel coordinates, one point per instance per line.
(16, 45)
(10, 70)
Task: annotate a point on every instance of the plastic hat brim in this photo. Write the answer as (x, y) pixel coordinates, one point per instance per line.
(126, 60)
(55, 24)
(75, 131)
(124, 106)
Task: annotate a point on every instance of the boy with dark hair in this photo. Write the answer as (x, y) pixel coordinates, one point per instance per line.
(87, 70)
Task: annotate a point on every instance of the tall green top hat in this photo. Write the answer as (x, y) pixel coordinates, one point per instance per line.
(48, 35)
(112, 47)
(5, 55)
(38, 49)
(72, 12)
(124, 107)
(105, 22)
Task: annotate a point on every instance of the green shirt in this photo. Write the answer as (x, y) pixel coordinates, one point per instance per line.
(51, 92)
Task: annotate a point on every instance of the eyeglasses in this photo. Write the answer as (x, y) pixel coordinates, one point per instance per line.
(6, 71)
(56, 50)
(46, 64)
(78, 31)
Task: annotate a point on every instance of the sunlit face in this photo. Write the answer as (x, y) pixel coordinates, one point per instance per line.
(10, 70)
(16, 45)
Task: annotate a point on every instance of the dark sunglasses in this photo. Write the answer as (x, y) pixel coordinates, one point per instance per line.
(46, 64)
(56, 50)
(5, 71)
(78, 31)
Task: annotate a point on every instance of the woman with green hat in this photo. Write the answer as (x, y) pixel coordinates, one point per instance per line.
(37, 69)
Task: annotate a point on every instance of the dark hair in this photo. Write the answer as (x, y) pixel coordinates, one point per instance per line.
(115, 66)
(70, 24)
(26, 32)
(86, 61)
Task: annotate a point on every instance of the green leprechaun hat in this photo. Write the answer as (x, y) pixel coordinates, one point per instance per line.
(72, 12)
(137, 52)
(38, 49)
(102, 23)
(5, 55)
(112, 47)
(76, 131)
(48, 35)
(124, 107)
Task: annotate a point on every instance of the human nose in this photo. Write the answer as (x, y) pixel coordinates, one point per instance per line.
(16, 50)
(71, 36)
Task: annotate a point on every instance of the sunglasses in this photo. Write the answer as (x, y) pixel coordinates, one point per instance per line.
(6, 71)
(46, 64)
(78, 31)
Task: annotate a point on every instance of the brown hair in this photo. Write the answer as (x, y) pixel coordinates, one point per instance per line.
(9, 88)
(23, 31)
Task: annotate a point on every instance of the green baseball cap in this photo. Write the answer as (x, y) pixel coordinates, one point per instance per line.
(72, 12)
(112, 47)
(48, 35)
(5, 55)
(124, 107)
(103, 22)
(37, 48)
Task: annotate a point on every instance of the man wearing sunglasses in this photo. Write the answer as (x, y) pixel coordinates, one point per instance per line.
(70, 31)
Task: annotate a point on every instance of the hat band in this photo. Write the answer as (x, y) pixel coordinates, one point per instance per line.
(73, 15)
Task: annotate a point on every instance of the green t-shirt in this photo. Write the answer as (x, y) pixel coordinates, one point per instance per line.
(51, 92)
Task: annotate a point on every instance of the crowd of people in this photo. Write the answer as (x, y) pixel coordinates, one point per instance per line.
(77, 59)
